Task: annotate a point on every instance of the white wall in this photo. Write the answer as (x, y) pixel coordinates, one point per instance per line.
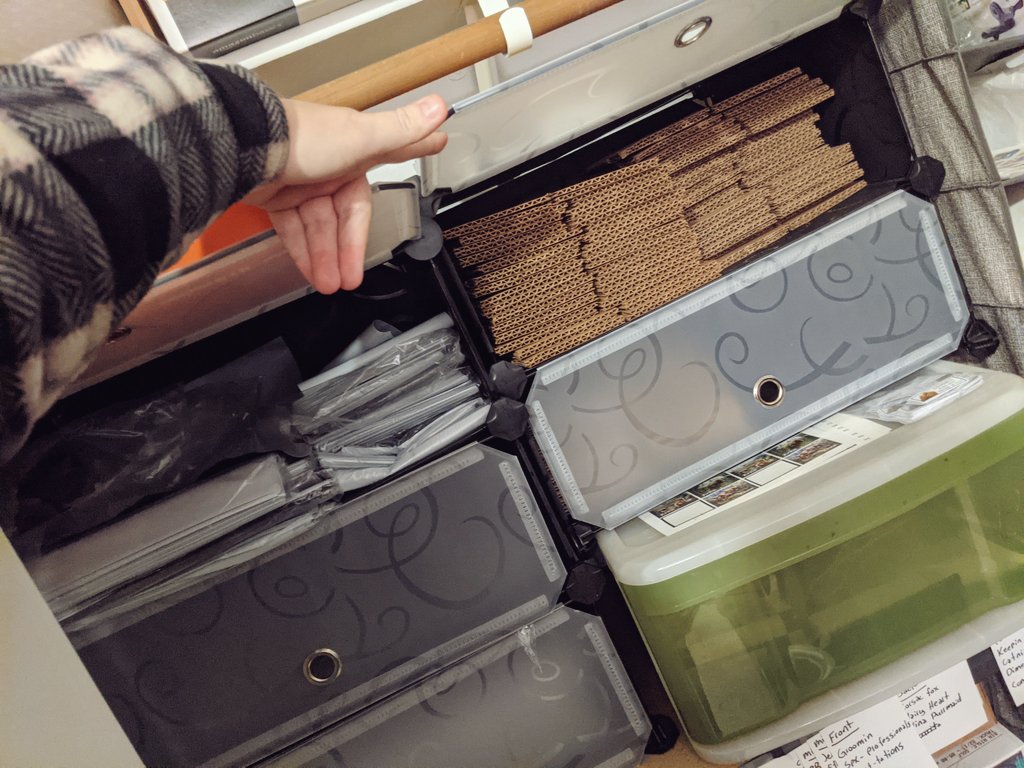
(51, 713)
(28, 25)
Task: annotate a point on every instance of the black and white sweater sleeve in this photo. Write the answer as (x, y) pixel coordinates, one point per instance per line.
(115, 153)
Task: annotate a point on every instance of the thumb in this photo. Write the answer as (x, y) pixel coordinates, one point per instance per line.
(397, 128)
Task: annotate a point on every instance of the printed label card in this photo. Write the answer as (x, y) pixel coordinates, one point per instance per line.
(1010, 656)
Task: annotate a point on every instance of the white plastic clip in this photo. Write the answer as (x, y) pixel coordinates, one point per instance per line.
(518, 33)
(514, 23)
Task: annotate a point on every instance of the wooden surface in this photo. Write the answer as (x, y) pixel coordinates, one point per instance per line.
(444, 55)
(137, 17)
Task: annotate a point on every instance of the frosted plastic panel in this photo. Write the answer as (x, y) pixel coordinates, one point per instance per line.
(591, 85)
(667, 401)
(396, 583)
(552, 694)
(588, 32)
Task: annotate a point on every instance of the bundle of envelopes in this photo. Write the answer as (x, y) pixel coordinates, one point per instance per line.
(391, 405)
(694, 199)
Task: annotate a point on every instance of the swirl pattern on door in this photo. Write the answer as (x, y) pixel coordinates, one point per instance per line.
(667, 401)
(396, 583)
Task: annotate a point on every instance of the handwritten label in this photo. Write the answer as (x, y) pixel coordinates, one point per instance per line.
(1010, 656)
(945, 708)
(877, 737)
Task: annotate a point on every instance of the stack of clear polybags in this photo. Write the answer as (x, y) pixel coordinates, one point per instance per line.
(391, 405)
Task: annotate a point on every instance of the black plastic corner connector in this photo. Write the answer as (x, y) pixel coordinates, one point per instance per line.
(585, 584)
(508, 419)
(926, 176)
(980, 340)
(664, 735)
(428, 244)
(865, 9)
(508, 379)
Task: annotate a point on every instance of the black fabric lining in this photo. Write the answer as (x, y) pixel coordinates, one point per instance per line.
(245, 110)
(134, 241)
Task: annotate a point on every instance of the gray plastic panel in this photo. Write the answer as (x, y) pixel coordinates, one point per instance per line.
(661, 404)
(398, 583)
(589, 85)
(552, 694)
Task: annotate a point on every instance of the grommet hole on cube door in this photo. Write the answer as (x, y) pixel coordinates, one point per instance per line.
(693, 32)
(322, 666)
(769, 391)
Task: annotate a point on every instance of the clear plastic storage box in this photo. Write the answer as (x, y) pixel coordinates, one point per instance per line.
(756, 607)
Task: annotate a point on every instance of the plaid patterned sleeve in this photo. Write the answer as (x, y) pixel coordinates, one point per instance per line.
(115, 153)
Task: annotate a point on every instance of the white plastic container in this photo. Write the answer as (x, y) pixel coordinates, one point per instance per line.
(772, 615)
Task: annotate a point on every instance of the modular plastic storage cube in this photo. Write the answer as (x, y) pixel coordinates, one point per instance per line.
(637, 416)
(551, 694)
(759, 604)
(357, 601)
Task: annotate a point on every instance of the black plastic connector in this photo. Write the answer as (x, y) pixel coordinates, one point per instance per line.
(508, 419)
(585, 584)
(664, 735)
(508, 379)
(926, 176)
(980, 340)
(865, 9)
(429, 243)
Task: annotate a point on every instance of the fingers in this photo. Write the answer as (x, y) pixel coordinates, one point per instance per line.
(431, 145)
(338, 144)
(293, 195)
(354, 207)
(326, 236)
(385, 132)
(320, 222)
(293, 236)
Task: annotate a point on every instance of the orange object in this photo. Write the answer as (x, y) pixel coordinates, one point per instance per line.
(236, 225)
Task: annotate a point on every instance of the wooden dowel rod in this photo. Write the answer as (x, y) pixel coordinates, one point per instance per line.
(444, 55)
(137, 17)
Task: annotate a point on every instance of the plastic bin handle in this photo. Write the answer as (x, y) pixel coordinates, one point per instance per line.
(444, 55)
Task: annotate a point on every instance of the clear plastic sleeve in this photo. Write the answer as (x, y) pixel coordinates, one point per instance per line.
(998, 93)
(72, 577)
(400, 401)
(987, 22)
(90, 471)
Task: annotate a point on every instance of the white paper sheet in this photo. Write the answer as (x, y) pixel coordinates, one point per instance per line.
(882, 736)
(945, 708)
(1010, 656)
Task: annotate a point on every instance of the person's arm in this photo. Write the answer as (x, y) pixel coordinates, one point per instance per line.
(116, 152)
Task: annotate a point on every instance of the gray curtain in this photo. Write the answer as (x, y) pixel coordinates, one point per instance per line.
(919, 52)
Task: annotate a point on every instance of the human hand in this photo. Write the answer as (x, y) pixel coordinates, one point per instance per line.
(320, 205)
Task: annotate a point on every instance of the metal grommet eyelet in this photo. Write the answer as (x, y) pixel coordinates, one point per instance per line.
(769, 391)
(693, 32)
(322, 666)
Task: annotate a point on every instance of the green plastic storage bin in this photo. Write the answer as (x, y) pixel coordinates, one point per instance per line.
(810, 584)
